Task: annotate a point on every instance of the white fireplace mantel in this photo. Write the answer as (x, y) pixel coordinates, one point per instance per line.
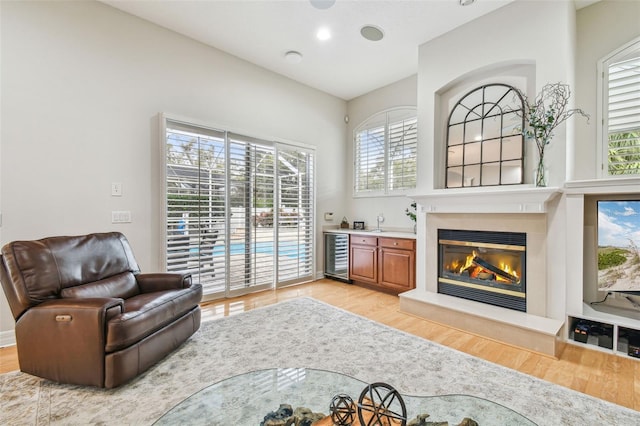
(504, 199)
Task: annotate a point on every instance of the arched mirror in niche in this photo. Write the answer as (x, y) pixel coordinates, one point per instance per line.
(485, 139)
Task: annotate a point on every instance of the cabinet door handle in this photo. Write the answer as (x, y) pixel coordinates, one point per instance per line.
(395, 243)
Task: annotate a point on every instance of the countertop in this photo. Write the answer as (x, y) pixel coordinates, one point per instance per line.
(383, 233)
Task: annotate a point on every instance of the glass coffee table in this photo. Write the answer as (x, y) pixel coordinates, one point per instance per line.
(247, 398)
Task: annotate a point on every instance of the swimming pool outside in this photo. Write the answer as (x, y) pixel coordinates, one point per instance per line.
(261, 247)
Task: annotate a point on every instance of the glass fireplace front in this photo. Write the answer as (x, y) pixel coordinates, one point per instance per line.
(483, 266)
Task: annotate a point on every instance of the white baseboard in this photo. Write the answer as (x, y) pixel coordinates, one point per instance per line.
(7, 338)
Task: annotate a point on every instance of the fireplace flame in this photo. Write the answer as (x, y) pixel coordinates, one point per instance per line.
(507, 268)
(474, 270)
(468, 262)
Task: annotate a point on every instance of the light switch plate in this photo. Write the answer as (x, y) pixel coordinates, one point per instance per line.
(122, 216)
(116, 189)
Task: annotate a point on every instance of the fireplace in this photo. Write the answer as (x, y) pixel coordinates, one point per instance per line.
(483, 266)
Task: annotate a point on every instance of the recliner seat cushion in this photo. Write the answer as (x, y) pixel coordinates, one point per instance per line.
(146, 313)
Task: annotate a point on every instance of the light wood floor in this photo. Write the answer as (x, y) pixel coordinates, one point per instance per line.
(606, 376)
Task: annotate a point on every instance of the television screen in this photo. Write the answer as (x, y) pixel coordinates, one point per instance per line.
(619, 245)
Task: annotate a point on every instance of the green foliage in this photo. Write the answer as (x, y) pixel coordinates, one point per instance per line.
(411, 213)
(609, 257)
(624, 153)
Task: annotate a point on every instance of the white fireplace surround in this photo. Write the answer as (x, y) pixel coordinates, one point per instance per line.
(521, 208)
(518, 208)
(552, 218)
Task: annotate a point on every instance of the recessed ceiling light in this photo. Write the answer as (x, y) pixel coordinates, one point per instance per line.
(467, 2)
(293, 57)
(372, 33)
(323, 34)
(322, 4)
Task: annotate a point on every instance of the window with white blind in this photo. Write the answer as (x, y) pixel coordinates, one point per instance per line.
(620, 111)
(239, 210)
(385, 153)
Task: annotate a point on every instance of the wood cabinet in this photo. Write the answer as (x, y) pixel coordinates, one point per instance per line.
(384, 263)
(397, 263)
(363, 259)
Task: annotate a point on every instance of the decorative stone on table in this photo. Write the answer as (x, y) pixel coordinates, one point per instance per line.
(305, 417)
(421, 420)
(278, 417)
(286, 416)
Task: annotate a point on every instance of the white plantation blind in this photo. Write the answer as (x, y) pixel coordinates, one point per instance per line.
(624, 96)
(295, 230)
(369, 159)
(239, 210)
(403, 145)
(621, 120)
(251, 171)
(195, 182)
(385, 152)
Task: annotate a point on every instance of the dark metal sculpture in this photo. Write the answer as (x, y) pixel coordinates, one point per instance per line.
(383, 403)
(342, 409)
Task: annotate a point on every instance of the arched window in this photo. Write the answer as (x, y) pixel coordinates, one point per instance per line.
(619, 111)
(485, 140)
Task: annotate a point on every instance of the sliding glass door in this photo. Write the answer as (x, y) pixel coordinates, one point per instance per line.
(296, 215)
(251, 233)
(239, 210)
(196, 207)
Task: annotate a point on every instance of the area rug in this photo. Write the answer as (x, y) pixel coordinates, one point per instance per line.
(296, 334)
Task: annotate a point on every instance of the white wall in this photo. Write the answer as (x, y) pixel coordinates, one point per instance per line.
(399, 94)
(521, 33)
(82, 84)
(601, 28)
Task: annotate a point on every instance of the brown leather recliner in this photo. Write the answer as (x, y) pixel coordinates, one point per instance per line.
(86, 315)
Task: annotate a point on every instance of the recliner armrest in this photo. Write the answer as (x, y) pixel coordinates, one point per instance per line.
(162, 281)
(64, 339)
(96, 307)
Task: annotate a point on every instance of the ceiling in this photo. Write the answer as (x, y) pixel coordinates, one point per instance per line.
(347, 65)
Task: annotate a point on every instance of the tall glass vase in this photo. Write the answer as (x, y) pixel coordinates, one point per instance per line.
(540, 176)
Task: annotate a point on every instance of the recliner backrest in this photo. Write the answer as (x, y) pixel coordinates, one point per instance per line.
(36, 271)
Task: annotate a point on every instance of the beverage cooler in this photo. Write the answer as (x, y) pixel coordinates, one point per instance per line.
(336, 256)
